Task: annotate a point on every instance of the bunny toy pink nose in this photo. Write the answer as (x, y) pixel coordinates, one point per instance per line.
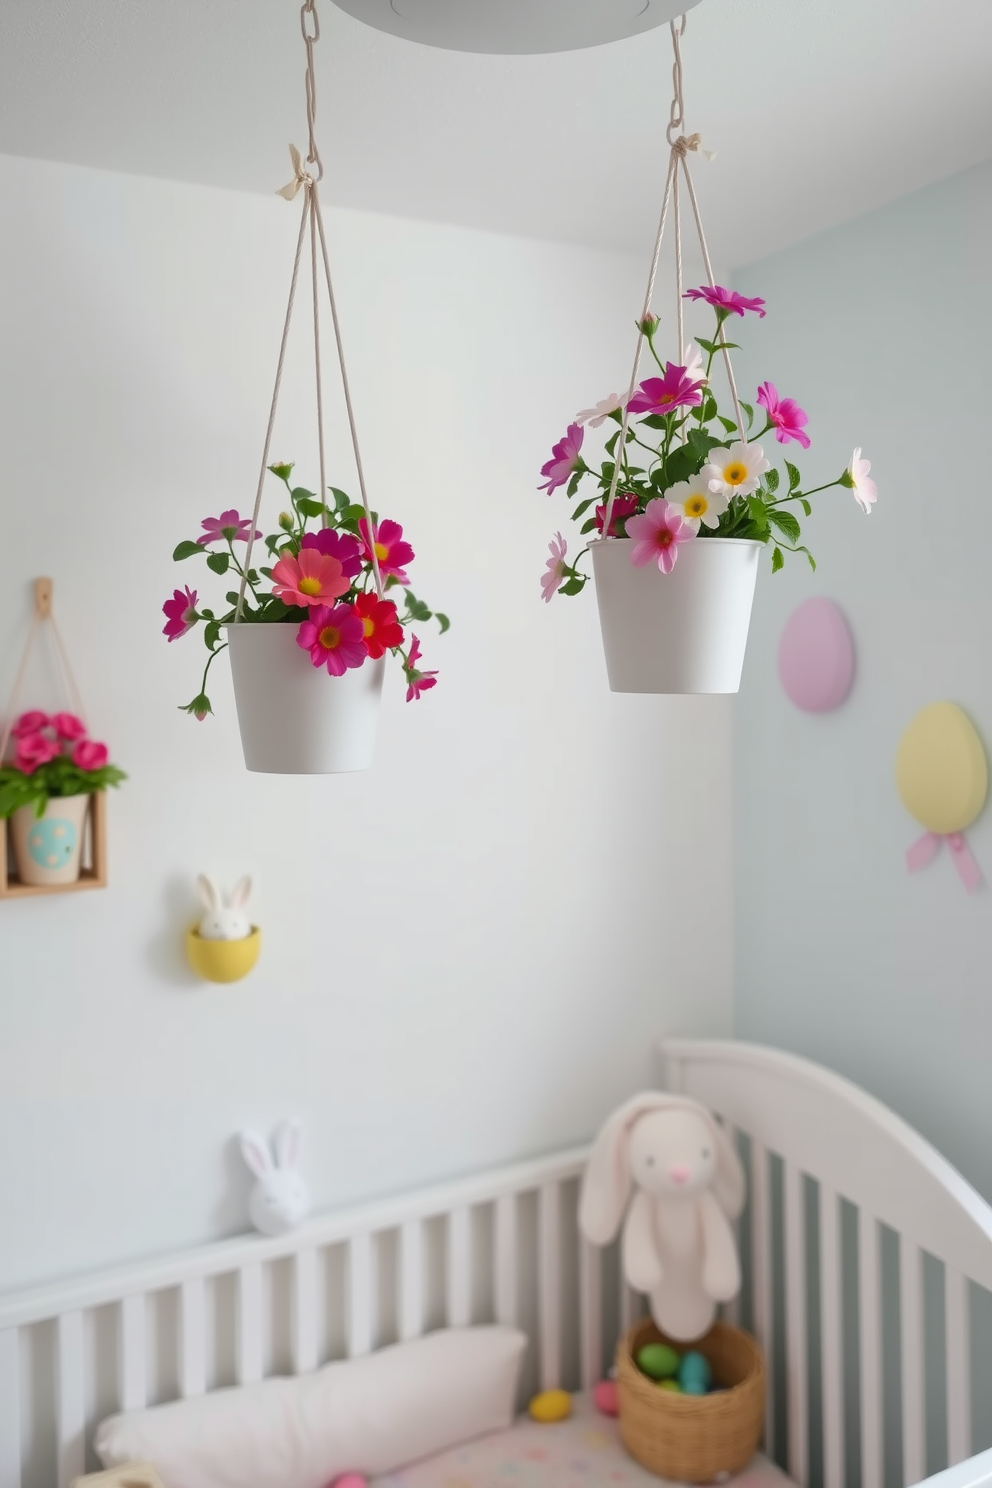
(680, 1173)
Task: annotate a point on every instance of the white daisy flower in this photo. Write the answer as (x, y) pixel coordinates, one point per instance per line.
(694, 500)
(865, 490)
(736, 471)
(598, 415)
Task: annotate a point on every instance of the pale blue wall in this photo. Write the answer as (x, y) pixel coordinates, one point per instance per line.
(882, 329)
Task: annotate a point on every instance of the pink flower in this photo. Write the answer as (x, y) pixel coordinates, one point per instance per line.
(785, 413)
(390, 549)
(565, 459)
(658, 533)
(339, 545)
(661, 395)
(229, 527)
(623, 507)
(89, 755)
(335, 638)
(551, 580)
(29, 723)
(180, 613)
(311, 579)
(418, 681)
(34, 750)
(68, 726)
(727, 300)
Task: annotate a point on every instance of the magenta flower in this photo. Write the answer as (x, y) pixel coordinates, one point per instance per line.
(661, 395)
(390, 549)
(552, 580)
(727, 300)
(68, 726)
(657, 533)
(89, 755)
(180, 613)
(623, 507)
(335, 638)
(565, 459)
(228, 527)
(34, 750)
(418, 681)
(339, 545)
(29, 723)
(785, 413)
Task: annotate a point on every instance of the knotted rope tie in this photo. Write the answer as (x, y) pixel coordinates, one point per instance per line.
(301, 176)
(687, 142)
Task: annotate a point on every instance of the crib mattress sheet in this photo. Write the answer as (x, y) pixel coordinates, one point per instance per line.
(583, 1452)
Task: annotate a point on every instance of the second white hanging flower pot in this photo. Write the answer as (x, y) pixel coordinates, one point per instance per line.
(294, 718)
(680, 632)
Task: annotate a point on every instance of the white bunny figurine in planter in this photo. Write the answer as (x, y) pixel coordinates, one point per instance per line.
(226, 917)
(280, 1200)
(678, 1244)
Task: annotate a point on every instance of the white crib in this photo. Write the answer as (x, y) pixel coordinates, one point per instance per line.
(864, 1251)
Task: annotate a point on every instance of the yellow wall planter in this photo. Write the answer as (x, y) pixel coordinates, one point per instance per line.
(223, 960)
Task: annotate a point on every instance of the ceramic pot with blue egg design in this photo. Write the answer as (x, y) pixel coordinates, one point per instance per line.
(48, 848)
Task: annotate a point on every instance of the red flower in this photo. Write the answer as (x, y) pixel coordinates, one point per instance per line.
(417, 682)
(623, 507)
(382, 630)
(33, 750)
(390, 550)
(89, 755)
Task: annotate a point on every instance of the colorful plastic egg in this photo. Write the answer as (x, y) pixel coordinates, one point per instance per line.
(695, 1374)
(551, 1405)
(672, 1385)
(658, 1361)
(816, 657)
(605, 1397)
(941, 770)
(351, 1480)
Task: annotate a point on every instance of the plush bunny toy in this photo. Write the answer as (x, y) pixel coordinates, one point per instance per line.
(678, 1245)
(279, 1201)
(225, 918)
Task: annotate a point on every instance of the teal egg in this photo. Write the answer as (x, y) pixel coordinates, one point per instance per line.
(695, 1374)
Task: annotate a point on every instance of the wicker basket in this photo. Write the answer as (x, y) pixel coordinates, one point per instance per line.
(692, 1438)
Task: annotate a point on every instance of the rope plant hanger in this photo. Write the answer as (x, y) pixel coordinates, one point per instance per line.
(336, 584)
(675, 610)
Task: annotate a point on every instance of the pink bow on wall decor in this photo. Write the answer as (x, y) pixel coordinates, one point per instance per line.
(927, 846)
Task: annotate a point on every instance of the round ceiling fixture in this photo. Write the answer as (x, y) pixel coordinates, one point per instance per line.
(515, 26)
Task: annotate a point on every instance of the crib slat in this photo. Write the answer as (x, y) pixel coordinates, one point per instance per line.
(591, 1312)
(630, 1304)
(911, 1361)
(10, 1409)
(305, 1310)
(249, 1352)
(459, 1278)
(71, 1400)
(411, 1280)
(192, 1339)
(132, 1384)
(730, 1312)
(505, 1280)
(359, 1296)
(762, 1279)
(956, 1310)
(549, 1273)
(831, 1318)
(869, 1339)
(795, 1324)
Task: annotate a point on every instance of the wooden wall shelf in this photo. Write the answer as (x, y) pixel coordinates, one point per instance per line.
(93, 874)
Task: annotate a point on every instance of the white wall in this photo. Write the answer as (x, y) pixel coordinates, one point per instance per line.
(470, 950)
(881, 330)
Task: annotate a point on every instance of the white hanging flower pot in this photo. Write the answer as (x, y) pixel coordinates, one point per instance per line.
(294, 718)
(680, 632)
(48, 849)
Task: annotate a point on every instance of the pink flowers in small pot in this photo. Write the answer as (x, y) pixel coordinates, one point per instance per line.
(681, 467)
(53, 756)
(324, 579)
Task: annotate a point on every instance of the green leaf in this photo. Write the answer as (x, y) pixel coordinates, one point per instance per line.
(795, 479)
(654, 421)
(709, 409)
(582, 507)
(771, 480)
(681, 463)
(416, 609)
(212, 634)
(219, 562)
(300, 493)
(805, 506)
(778, 561)
(728, 424)
(588, 526)
(573, 484)
(786, 523)
(310, 508)
(354, 514)
(442, 621)
(272, 542)
(714, 346)
(809, 555)
(341, 498)
(750, 413)
(231, 596)
(186, 550)
(701, 442)
(574, 586)
(611, 444)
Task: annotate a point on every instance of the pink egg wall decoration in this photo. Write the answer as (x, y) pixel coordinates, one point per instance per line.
(816, 657)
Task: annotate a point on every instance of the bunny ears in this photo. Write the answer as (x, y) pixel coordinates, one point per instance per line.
(606, 1181)
(255, 1149)
(212, 897)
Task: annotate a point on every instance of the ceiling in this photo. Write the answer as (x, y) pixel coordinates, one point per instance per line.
(817, 111)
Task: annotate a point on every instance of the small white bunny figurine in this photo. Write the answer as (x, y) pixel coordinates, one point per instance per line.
(678, 1245)
(226, 917)
(280, 1200)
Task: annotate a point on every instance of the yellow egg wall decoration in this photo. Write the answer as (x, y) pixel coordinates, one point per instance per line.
(943, 778)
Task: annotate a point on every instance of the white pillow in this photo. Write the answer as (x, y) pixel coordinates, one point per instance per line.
(366, 1415)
